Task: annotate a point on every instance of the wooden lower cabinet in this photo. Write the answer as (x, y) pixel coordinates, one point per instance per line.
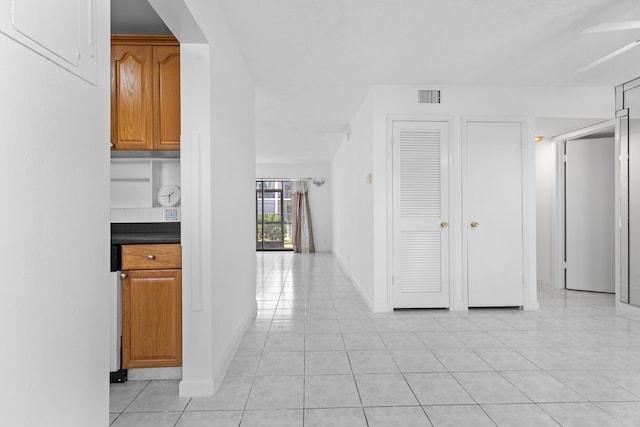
(152, 318)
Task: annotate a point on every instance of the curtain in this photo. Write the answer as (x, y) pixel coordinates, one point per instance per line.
(302, 235)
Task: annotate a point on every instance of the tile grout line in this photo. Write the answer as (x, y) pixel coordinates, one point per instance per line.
(304, 356)
(135, 397)
(182, 412)
(353, 375)
(255, 374)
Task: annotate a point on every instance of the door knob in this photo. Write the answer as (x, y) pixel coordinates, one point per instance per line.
(474, 224)
(444, 224)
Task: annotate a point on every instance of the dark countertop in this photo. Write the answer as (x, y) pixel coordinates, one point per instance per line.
(143, 238)
(143, 233)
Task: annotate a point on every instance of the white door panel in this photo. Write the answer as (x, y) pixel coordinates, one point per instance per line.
(493, 200)
(420, 200)
(590, 216)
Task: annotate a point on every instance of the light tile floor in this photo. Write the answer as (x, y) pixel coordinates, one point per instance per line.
(316, 356)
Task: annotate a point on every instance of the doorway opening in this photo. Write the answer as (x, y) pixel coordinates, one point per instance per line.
(586, 241)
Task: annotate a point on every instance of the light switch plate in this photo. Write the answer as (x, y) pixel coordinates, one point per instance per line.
(171, 214)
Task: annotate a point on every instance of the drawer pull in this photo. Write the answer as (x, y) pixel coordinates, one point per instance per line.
(123, 275)
(151, 257)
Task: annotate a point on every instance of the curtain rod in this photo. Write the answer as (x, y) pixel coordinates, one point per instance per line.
(316, 181)
(282, 179)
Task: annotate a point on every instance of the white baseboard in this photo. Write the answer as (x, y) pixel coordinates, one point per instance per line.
(363, 295)
(220, 371)
(380, 308)
(534, 305)
(625, 308)
(531, 306)
(207, 387)
(544, 282)
(458, 307)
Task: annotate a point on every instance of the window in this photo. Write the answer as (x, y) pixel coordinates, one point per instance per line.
(273, 215)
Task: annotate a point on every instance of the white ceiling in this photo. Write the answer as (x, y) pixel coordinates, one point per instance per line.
(313, 61)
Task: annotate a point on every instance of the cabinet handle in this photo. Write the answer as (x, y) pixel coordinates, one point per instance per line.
(123, 275)
(151, 257)
(444, 224)
(112, 145)
(474, 224)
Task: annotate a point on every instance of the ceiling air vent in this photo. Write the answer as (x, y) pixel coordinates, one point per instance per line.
(428, 97)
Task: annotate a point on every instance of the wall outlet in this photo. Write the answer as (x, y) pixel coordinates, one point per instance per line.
(171, 214)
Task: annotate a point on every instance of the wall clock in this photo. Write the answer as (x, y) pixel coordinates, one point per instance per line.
(168, 195)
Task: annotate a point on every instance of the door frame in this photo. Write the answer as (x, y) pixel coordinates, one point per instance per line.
(558, 245)
(391, 118)
(527, 164)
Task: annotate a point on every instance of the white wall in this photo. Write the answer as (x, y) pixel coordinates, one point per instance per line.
(545, 165)
(353, 203)
(319, 197)
(233, 177)
(54, 251)
(457, 103)
(218, 164)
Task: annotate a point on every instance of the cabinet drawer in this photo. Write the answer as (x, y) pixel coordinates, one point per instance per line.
(151, 257)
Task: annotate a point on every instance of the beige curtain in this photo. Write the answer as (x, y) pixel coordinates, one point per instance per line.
(301, 218)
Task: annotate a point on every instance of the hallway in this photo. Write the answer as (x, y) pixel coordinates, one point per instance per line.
(316, 356)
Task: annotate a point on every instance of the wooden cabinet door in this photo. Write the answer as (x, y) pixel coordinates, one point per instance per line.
(131, 97)
(152, 318)
(166, 77)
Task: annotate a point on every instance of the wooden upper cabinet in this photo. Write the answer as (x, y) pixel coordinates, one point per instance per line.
(131, 97)
(166, 72)
(145, 92)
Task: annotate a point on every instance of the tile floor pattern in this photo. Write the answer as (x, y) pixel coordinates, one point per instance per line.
(316, 356)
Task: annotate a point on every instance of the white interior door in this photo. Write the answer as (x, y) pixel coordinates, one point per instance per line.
(590, 215)
(420, 210)
(493, 214)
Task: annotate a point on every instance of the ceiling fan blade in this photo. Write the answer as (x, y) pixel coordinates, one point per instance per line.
(610, 56)
(612, 26)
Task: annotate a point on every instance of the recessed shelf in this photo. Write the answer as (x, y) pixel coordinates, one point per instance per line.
(136, 181)
(130, 179)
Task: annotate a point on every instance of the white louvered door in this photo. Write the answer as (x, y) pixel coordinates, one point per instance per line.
(420, 214)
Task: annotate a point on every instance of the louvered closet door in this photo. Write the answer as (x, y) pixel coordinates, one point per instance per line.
(420, 214)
